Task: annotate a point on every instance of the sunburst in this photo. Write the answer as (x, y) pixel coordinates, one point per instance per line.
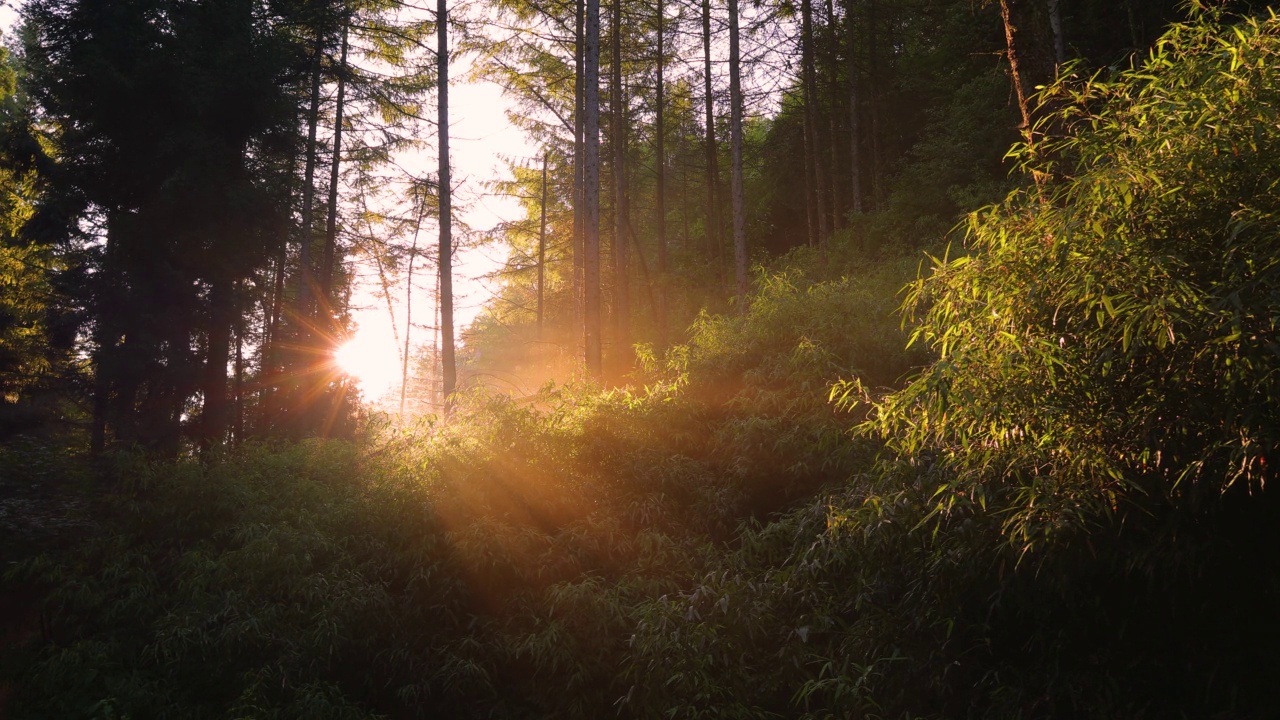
(372, 363)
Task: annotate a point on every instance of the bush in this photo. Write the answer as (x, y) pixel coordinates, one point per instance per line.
(1108, 342)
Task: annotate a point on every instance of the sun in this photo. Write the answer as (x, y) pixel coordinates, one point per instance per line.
(371, 362)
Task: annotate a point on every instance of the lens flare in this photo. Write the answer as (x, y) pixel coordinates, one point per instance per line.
(373, 365)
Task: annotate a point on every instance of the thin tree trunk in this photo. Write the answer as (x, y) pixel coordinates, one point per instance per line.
(448, 367)
(542, 247)
(621, 202)
(579, 104)
(833, 174)
(1019, 89)
(832, 109)
(382, 278)
(712, 153)
(408, 303)
(810, 175)
(309, 187)
(591, 191)
(660, 130)
(272, 339)
(735, 138)
(335, 166)
(813, 147)
(267, 353)
(1011, 33)
(855, 138)
(873, 103)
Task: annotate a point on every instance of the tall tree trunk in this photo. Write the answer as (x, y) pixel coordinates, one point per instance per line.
(855, 134)
(873, 103)
(591, 191)
(660, 211)
(448, 366)
(269, 352)
(579, 103)
(325, 305)
(712, 153)
(309, 187)
(542, 247)
(831, 109)
(813, 147)
(736, 180)
(810, 175)
(621, 204)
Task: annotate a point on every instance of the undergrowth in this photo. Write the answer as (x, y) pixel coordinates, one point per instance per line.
(493, 565)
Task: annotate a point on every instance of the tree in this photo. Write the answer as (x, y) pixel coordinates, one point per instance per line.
(735, 132)
(621, 306)
(542, 250)
(335, 168)
(591, 189)
(855, 135)
(33, 350)
(712, 153)
(815, 177)
(448, 360)
(660, 167)
(169, 136)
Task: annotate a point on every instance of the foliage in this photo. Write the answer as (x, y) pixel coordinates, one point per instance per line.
(1110, 338)
(1066, 513)
(33, 336)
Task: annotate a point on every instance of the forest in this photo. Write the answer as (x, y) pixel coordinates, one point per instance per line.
(883, 359)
